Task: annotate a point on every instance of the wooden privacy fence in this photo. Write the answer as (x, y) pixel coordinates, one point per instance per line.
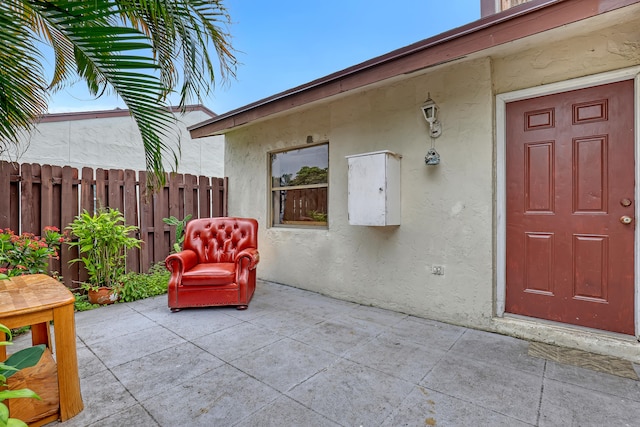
(300, 204)
(34, 196)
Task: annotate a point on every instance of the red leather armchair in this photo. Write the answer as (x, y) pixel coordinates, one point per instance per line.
(217, 265)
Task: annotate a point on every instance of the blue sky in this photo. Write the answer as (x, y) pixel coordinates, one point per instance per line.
(284, 43)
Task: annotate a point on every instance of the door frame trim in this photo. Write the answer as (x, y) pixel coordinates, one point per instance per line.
(501, 197)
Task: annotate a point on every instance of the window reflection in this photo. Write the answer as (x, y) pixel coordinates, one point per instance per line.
(299, 185)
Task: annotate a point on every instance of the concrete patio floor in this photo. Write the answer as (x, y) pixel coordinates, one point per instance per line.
(296, 358)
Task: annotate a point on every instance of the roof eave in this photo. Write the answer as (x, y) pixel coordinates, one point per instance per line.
(117, 112)
(521, 21)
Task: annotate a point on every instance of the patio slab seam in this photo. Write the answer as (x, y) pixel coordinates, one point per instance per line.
(359, 365)
(544, 372)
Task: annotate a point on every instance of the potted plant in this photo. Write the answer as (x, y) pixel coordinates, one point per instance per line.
(102, 240)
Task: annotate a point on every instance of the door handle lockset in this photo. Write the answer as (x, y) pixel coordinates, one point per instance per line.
(626, 219)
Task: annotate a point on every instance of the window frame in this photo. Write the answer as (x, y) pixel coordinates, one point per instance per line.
(323, 225)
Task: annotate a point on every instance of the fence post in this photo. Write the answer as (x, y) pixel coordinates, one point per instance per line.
(87, 193)
(68, 210)
(174, 200)
(190, 196)
(131, 217)
(145, 220)
(161, 242)
(101, 192)
(219, 196)
(115, 196)
(27, 199)
(6, 194)
(204, 196)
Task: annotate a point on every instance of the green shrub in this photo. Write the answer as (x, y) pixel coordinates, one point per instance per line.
(137, 286)
(103, 240)
(82, 303)
(317, 216)
(180, 226)
(27, 253)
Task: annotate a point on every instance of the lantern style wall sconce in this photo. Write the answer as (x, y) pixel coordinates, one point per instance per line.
(430, 112)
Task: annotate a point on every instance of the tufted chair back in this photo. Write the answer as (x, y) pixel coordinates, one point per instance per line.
(220, 239)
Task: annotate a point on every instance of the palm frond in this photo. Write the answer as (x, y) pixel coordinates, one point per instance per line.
(62, 50)
(22, 87)
(121, 58)
(140, 49)
(183, 32)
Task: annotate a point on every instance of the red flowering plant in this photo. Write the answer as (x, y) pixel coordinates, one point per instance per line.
(27, 253)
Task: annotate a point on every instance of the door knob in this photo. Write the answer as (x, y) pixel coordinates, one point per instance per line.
(626, 219)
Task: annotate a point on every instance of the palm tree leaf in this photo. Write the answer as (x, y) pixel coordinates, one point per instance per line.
(192, 26)
(62, 50)
(22, 88)
(98, 50)
(133, 47)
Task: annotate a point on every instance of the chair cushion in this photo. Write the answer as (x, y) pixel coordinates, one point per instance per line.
(220, 239)
(221, 273)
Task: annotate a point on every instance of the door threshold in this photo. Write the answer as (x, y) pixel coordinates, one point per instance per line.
(565, 335)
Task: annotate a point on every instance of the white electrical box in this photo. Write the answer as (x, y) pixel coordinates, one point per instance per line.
(374, 188)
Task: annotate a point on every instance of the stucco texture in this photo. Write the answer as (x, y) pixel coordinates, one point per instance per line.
(114, 142)
(559, 59)
(448, 211)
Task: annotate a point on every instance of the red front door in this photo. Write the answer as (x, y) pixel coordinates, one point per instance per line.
(570, 207)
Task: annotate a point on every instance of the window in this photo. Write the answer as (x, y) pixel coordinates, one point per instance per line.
(299, 184)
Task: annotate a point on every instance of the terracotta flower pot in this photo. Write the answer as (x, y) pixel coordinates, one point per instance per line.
(102, 295)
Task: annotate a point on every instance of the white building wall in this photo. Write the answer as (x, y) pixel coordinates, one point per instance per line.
(448, 211)
(114, 142)
(441, 206)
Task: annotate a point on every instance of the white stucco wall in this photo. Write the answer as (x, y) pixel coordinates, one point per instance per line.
(441, 206)
(448, 211)
(549, 58)
(115, 143)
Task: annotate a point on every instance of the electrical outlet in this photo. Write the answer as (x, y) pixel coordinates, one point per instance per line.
(438, 270)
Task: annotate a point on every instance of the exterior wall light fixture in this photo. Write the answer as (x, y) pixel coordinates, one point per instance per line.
(430, 112)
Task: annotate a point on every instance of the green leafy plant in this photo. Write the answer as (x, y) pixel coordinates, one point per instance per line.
(102, 240)
(310, 175)
(27, 253)
(21, 359)
(82, 303)
(317, 216)
(180, 226)
(137, 286)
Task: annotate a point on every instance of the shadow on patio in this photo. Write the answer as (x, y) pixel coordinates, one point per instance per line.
(296, 358)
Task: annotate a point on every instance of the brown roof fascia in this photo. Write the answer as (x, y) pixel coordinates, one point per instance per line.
(117, 112)
(520, 21)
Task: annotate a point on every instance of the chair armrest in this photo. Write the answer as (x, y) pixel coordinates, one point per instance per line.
(181, 261)
(252, 254)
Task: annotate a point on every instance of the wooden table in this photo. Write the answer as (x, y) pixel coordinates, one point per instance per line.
(36, 300)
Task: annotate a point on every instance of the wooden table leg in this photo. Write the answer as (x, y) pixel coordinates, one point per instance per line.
(67, 361)
(41, 334)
